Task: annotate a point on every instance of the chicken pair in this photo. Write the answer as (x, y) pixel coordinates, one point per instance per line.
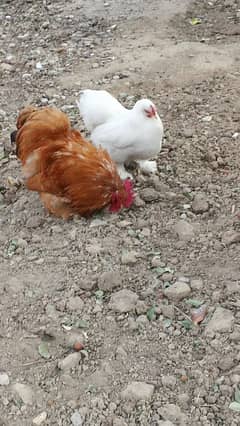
(73, 175)
(128, 135)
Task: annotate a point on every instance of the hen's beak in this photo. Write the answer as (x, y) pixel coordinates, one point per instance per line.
(152, 112)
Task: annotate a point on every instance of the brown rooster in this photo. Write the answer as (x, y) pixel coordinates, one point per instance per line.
(71, 175)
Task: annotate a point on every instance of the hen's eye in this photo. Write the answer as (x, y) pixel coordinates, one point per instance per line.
(148, 113)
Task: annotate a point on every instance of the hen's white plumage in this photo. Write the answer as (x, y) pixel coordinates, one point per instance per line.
(127, 135)
(97, 107)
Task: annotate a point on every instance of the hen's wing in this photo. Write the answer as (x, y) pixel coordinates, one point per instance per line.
(129, 137)
(97, 107)
(117, 138)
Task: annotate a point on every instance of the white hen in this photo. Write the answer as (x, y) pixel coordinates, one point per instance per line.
(127, 135)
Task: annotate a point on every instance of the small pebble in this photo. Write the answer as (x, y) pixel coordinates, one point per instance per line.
(169, 381)
(38, 420)
(70, 361)
(129, 258)
(24, 392)
(222, 321)
(177, 291)
(4, 379)
(137, 391)
(149, 194)
(76, 419)
(123, 301)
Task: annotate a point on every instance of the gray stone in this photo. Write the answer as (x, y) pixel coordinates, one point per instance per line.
(138, 202)
(173, 413)
(235, 336)
(196, 284)
(123, 301)
(167, 311)
(24, 392)
(235, 379)
(129, 258)
(165, 423)
(226, 363)
(230, 237)
(177, 291)
(183, 399)
(6, 67)
(94, 249)
(142, 320)
(87, 284)
(149, 194)
(75, 304)
(121, 354)
(156, 262)
(97, 222)
(38, 420)
(167, 277)
(184, 230)
(109, 280)
(117, 421)
(169, 382)
(188, 133)
(222, 321)
(137, 391)
(69, 362)
(141, 307)
(34, 222)
(200, 204)
(233, 287)
(51, 311)
(182, 278)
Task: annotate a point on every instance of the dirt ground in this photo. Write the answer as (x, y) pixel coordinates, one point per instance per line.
(125, 285)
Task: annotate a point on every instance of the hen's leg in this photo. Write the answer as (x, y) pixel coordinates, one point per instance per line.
(123, 172)
(148, 166)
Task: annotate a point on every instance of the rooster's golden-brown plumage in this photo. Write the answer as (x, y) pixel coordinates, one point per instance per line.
(71, 175)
